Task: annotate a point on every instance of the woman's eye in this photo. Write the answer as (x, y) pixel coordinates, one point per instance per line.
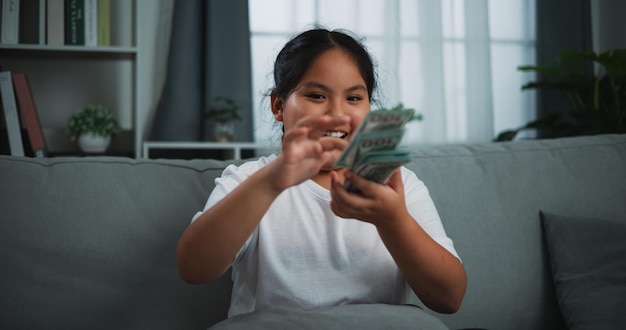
(316, 96)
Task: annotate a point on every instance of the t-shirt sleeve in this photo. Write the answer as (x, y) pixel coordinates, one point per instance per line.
(229, 180)
(231, 177)
(423, 210)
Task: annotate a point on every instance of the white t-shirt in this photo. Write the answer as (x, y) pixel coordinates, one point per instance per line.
(304, 256)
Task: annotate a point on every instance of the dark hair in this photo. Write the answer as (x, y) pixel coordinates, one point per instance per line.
(297, 55)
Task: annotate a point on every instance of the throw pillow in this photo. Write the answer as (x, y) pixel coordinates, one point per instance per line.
(588, 260)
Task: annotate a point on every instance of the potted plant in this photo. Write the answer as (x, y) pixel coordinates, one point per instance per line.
(93, 127)
(597, 101)
(224, 112)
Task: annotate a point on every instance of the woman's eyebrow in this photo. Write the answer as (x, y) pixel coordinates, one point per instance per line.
(356, 88)
(315, 84)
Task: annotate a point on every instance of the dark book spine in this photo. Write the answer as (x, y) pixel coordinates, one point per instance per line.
(29, 115)
(74, 22)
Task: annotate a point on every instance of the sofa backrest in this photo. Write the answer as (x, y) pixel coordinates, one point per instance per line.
(90, 243)
(489, 197)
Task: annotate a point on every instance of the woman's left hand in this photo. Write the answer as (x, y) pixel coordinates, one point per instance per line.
(379, 204)
(435, 275)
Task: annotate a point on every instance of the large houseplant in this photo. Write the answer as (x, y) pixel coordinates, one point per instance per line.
(93, 127)
(597, 101)
(224, 112)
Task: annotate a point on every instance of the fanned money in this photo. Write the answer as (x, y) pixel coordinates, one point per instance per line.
(373, 152)
(379, 166)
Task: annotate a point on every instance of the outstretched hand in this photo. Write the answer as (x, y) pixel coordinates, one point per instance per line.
(306, 150)
(379, 204)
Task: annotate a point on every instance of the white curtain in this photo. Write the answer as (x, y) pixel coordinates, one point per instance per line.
(433, 56)
(454, 61)
(153, 30)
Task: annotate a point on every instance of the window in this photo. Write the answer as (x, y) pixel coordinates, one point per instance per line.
(454, 63)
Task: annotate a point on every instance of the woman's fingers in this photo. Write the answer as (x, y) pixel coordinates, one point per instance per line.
(375, 202)
(307, 138)
(319, 125)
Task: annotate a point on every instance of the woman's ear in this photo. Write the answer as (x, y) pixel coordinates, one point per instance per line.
(277, 106)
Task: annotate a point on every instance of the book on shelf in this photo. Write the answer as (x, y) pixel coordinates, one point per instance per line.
(32, 22)
(55, 22)
(11, 118)
(30, 118)
(104, 22)
(90, 13)
(74, 22)
(4, 143)
(42, 22)
(10, 21)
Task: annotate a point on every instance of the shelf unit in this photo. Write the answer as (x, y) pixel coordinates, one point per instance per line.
(233, 149)
(64, 79)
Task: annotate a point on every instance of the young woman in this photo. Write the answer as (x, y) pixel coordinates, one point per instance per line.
(293, 235)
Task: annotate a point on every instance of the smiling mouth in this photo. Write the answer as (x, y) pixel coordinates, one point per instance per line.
(335, 134)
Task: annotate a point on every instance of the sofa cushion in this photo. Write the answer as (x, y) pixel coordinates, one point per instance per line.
(589, 269)
(488, 197)
(90, 242)
(359, 316)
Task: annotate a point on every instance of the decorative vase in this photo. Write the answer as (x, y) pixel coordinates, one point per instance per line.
(224, 132)
(91, 143)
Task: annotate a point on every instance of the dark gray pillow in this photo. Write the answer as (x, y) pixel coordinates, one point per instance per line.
(360, 316)
(588, 259)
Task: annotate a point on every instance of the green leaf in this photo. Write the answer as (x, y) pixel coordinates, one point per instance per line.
(95, 119)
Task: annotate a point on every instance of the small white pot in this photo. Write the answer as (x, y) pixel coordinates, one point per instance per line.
(90, 143)
(224, 132)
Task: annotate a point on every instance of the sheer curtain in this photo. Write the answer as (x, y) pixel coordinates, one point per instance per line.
(154, 27)
(436, 56)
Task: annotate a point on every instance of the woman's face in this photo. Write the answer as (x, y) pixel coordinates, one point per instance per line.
(332, 86)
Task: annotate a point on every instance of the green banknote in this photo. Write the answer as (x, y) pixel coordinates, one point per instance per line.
(390, 123)
(373, 152)
(378, 166)
(367, 142)
(384, 120)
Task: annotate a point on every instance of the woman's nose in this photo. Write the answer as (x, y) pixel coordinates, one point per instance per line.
(336, 108)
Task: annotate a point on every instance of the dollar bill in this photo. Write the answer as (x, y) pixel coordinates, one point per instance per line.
(373, 152)
(378, 166)
(384, 120)
(390, 122)
(366, 142)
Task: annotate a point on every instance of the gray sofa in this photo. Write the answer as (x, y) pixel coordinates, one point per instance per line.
(89, 243)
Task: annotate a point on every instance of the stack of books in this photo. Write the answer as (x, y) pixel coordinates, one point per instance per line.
(20, 129)
(56, 22)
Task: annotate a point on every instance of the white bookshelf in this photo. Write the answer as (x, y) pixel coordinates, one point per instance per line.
(66, 78)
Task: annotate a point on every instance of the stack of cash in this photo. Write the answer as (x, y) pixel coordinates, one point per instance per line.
(373, 152)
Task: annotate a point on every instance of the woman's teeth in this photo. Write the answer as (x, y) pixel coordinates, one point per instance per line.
(335, 134)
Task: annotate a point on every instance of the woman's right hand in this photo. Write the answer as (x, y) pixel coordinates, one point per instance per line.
(306, 150)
